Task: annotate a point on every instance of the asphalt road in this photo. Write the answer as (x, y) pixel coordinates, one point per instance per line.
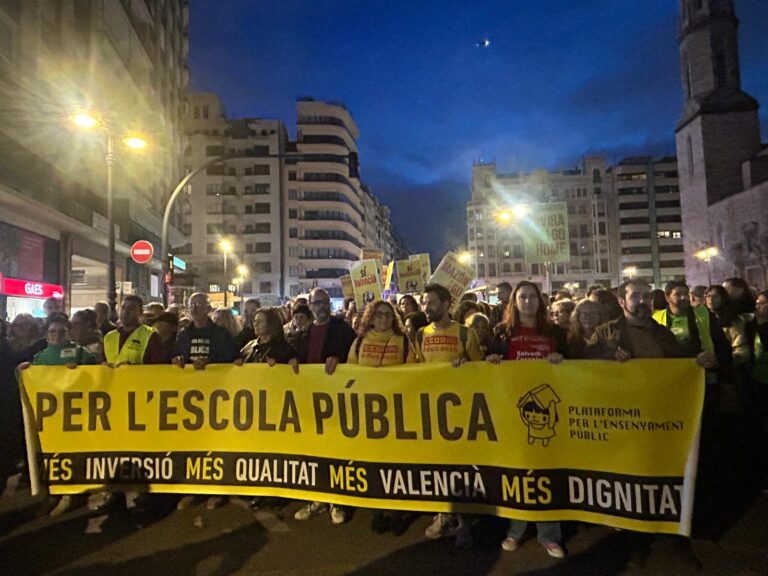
(235, 540)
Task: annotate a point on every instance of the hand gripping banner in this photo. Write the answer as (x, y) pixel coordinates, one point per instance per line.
(599, 442)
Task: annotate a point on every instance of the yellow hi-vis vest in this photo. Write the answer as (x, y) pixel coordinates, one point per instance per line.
(701, 315)
(132, 351)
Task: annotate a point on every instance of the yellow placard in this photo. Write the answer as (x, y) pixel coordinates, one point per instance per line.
(426, 265)
(591, 441)
(453, 275)
(409, 276)
(346, 287)
(365, 282)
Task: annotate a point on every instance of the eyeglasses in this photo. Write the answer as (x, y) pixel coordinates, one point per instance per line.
(54, 332)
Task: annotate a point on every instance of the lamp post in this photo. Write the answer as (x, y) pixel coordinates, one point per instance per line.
(86, 120)
(705, 255)
(226, 247)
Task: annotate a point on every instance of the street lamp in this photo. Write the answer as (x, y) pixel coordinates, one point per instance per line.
(630, 271)
(226, 247)
(705, 255)
(513, 213)
(465, 257)
(87, 120)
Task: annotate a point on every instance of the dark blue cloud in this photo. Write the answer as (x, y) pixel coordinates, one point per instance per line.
(559, 80)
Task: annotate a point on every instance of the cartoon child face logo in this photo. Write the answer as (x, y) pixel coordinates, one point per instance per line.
(538, 410)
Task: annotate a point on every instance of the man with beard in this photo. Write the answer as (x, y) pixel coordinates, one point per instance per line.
(445, 340)
(504, 291)
(327, 341)
(696, 330)
(635, 334)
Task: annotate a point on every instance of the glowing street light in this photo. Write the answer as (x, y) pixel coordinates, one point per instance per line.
(465, 257)
(135, 142)
(630, 271)
(705, 255)
(242, 271)
(513, 213)
(84, 119)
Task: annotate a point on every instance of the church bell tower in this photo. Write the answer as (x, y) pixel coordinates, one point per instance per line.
(719, 128)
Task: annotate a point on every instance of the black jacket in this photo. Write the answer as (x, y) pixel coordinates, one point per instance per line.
(277, 349)
(338, 341)
(218, 344)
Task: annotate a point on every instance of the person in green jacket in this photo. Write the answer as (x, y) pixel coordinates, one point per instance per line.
(61, 351)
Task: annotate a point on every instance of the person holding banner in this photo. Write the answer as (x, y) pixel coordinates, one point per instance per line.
(201, 343)
(61, 351)
(526, 334)
(270, 345)
(327, 342)
(444, 340)
(382, 341)
(381, 338)
(133, 342)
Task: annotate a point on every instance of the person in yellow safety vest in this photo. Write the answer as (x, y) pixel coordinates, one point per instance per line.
(697, 332)
(133, 342)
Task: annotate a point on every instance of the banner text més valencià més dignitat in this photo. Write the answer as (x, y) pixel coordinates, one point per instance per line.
(593, 441)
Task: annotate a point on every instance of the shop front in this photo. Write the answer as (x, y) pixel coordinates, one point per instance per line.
(21, 296)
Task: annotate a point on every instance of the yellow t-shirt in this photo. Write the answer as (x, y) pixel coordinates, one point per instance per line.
(446, 346)
(381, 349)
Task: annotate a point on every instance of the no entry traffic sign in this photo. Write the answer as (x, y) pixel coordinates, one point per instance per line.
(141, 252)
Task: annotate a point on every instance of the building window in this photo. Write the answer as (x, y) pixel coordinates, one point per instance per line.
(596, 177)
(293, 214)
(292, 175)
(205, 112)
(492, 270)
(518, 267)
(213, 288)
(197, 112)
(265, 287)
(261, 169)
(293, 232)
(293, 271)
(293, 194)
(481, 269)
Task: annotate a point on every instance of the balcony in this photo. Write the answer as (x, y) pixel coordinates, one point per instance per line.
(329, 217)
(324, 273)
(330, 197)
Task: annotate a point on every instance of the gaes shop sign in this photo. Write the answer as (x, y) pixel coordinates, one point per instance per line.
(28, 289)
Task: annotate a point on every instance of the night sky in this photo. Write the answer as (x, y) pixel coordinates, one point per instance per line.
(559, 79)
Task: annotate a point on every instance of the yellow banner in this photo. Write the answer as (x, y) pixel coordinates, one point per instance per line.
(592, 441)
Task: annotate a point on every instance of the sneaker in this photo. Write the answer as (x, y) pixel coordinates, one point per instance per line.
(186, 502)
(99, 501)
(464, 536)
(442, 525)
(310, 509)
(214, 502)
(554, 549)
(338, 514)
(64, 504)
(510, 544)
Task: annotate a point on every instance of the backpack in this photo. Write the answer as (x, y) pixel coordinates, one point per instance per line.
(463, 336)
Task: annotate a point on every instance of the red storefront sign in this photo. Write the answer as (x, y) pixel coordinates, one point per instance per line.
(28, 289)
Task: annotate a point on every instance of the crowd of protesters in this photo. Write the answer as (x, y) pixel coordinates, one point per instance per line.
(723, 327)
